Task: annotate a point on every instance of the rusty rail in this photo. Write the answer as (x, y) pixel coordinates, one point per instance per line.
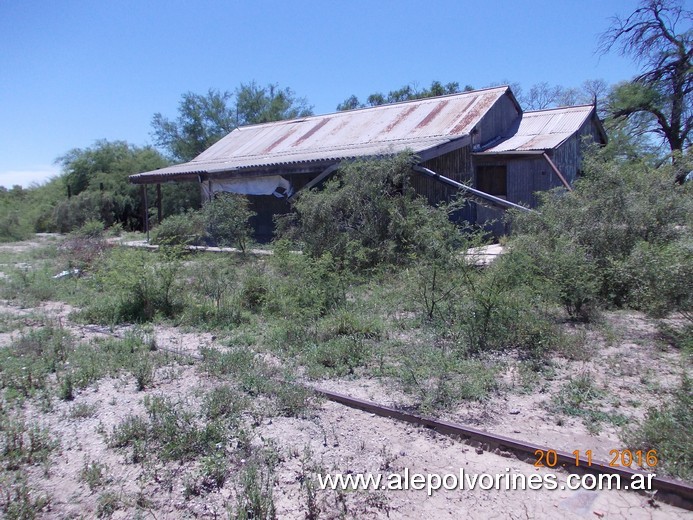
(679, 489)
(675, 492)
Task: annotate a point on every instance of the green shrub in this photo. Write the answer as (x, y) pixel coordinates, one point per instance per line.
(66, 391)
(666, 428)
(227, 220)
(21, 443)
(13, 227)
(109, 356)
(30, 285)
(254, 499)
(214, 300)
(75, 212)
(367, 214)
(184, 229)
(214, 470)
(661, 278)
(90, 229)
(93, 474)
(563, 272)
(441, 379)
(224, 402)
(307, 288)
(147, 287)
(254, 290)
(492, 314)
(19, 502)
(82, 252)
(29, 360)
(620, 238)
(107, 504)
(340, 355)
(171, 428)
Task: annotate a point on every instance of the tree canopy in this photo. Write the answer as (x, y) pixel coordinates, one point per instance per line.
(204, 119)
(405, 93)
(96, 186)
(658, 36)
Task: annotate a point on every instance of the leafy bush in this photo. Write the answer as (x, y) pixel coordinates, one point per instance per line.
(75, 212)
(440, 378)
(341, 355)
(254, 499)
(183, 229)
(666, 428)
(214, 300)
(90, 229)
(171, 428)
(592, 245)
(12, 226)
(494, 312)
(29, 360)
(662, 277)
(366, 215)
(305, 287)
(147, 287)
(227, 220)
(564, 272)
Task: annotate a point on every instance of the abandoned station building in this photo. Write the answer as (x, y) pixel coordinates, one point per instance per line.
(481, 139)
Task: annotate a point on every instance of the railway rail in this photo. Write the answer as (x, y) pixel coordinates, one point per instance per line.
(673, 492)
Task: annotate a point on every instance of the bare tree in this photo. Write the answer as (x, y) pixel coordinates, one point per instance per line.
(658, 37)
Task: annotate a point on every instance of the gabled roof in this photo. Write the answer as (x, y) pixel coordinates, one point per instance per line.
(541, 130)
(418, 125)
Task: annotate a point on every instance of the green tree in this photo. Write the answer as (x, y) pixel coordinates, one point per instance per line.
(97, 180)
(657, 36)
(406, 93)
(622, 233)
(255, 104)
(202, 120)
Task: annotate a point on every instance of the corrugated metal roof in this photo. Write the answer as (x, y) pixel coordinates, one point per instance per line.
(543, 129)
(417, 125)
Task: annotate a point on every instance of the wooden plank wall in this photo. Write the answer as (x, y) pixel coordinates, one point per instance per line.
(568, 156)
(497, 121)
(456, 165)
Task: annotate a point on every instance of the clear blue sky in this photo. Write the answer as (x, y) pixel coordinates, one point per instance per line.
(72, 72)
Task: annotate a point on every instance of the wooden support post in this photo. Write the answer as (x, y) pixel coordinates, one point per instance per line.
(146, 210)
(158, 203)
(557, 172)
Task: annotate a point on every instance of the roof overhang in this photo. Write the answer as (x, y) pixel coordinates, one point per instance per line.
(428, 127)
(511, 153)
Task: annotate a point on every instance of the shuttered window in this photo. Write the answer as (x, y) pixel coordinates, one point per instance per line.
(492, 180)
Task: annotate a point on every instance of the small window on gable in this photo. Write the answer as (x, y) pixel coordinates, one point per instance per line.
(492, 180)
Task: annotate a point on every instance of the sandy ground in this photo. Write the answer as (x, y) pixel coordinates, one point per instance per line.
(334, 438)
(339, 439)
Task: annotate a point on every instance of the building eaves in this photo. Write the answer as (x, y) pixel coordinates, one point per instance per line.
(417, 125)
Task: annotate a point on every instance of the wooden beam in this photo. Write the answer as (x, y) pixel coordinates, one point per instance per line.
(158, 203)
(328, 171)
(492, 199)
(557, 172)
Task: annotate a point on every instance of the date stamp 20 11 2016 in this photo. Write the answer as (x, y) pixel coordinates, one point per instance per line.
(618, 458)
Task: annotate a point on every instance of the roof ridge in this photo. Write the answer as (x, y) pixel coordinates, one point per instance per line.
(564, 107)
(339, 113)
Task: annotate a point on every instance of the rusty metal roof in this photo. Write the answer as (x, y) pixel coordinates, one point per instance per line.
(541, 130)
(417, 125)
